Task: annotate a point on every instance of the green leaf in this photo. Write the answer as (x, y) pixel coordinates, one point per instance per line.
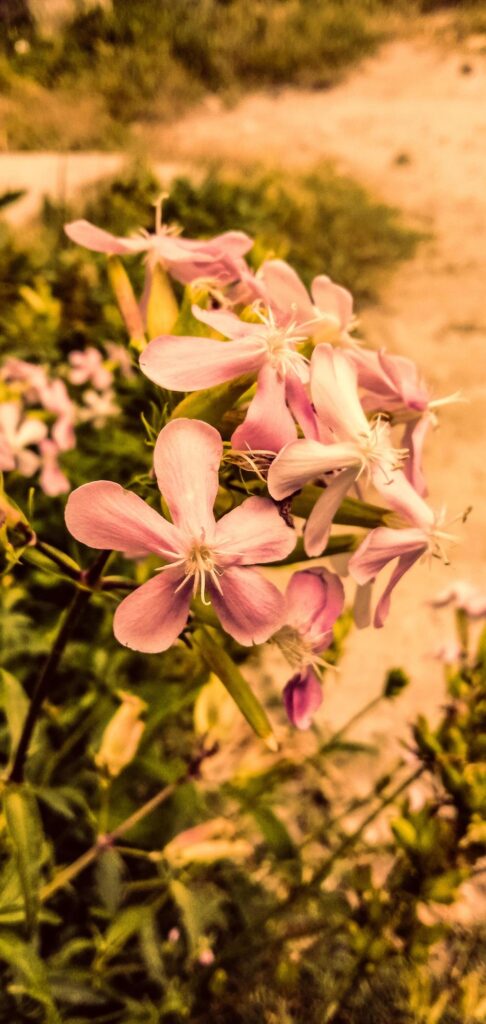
(396, 680)
(219, 662)
(14, 704)
(274, 832)
(351, 511)
(29, 969)
(162, 308)
(26, 836)
(338, 545)
(110, 869)
(210, 404)
(200, 908)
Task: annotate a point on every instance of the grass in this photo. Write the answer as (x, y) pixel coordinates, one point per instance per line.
(151, 59)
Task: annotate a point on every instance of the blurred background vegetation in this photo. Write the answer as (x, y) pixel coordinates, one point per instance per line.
(129, 64)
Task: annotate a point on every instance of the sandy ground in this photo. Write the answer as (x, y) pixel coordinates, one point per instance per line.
(414, 102)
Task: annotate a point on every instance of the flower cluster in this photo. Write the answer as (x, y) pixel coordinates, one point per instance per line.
(314, 408)
(39, 412)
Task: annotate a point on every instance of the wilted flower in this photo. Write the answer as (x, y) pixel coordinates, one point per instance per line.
(313, 601)
(186, 259)
(122, 735)
(201, 555)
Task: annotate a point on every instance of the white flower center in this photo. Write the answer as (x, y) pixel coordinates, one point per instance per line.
(281, 344)
(296, 649)
(376, 450)
(200, 562)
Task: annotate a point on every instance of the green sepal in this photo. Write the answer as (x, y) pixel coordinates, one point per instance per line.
(219, 662)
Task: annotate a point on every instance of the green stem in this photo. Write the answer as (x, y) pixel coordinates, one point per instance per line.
(103, 842)
(48, 670)
(352, 721)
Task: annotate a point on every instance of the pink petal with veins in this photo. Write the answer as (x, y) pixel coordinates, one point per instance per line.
(151, 618)
(190, 364)
(268, 424)
(254, 532)
(250, 608)
(103, 515)
(187, 456)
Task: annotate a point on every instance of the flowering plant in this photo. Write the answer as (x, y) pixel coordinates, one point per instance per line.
(261, 422)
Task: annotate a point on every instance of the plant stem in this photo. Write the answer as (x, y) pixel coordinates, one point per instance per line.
(352, 721)
(48, 670)
(103, 842)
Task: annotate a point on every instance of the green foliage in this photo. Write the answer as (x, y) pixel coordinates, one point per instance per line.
(127, 63)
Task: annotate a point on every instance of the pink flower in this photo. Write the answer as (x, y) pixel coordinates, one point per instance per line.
(423, 535)
(214, 558)
(119, 355)
(89, 366)
(186, 259)
(464, 596)
(313, 601)
(448, 652)
(302, 697)
(16, 436)
(56, 400)
(395, 387)
(31, 374)
(98, 408)
(329, 312)
(346, 442)
(265, 348)
(52, 479)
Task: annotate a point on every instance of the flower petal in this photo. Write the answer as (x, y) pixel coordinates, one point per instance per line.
(414, 439)
(383, 607)
(190, 364)
(187, 456)
(285, 290)
(403, 498)
(305, 460)
(334, 392)
(318, 525)
(382, 546)
(151, 618)
(301, 406)
(253, 533)
(250, 608)
(31, 431)
(84, 233)
(314, 600)
(227, 323)
(302, 697)
(103, 515)
(268, 424)
(332, 298)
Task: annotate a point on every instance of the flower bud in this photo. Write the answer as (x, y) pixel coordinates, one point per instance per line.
(302, 697)
(122, 735)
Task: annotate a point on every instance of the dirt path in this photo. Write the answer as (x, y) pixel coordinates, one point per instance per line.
(411, 124)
